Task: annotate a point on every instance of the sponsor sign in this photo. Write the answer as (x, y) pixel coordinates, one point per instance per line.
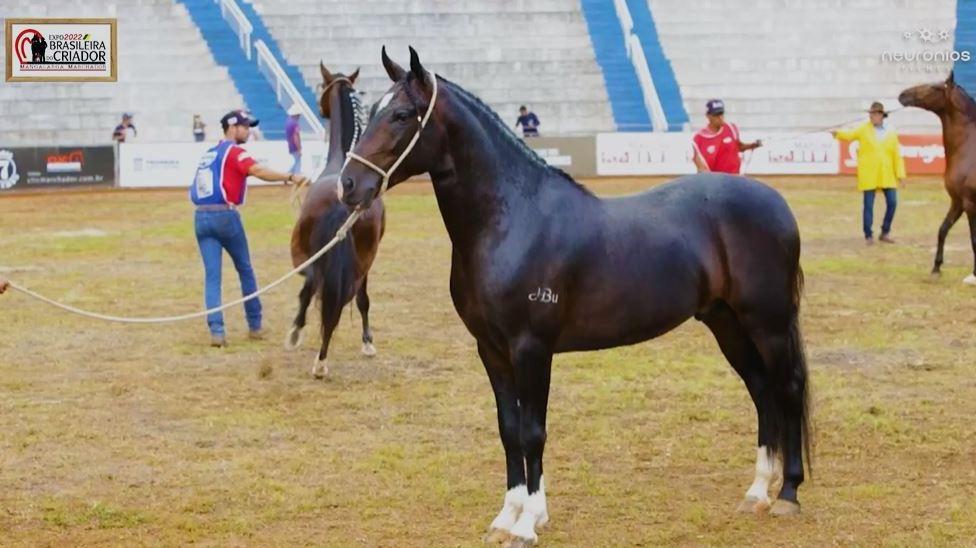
(782, 154)
(157, 165)
(32, 168)
(923, 154)
(644, 154)
(61, 50)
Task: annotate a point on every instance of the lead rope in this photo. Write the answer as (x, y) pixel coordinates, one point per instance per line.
(340, 235)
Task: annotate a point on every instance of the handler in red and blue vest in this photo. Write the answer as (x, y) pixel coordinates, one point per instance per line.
(218, 188)
(717, 146)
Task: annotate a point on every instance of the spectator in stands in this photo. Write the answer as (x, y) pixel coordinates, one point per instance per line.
(529, 122)
(124, 131)
(879, 167)
(294, 138)
(199, 129)
(218, 187)
(717, 146)
(4, 284)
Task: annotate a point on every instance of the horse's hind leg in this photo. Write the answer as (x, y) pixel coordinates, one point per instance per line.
(742, 354)
(362, 302)
(971, 278)
(955, 211)
(781, 347)
(294, 337)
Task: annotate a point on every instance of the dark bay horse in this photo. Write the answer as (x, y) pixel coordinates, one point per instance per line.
(342, 272)
(957, 111)
(540, 265)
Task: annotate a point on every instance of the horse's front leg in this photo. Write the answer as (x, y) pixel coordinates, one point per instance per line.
(532, 362)
(502, 378)
(955, 211)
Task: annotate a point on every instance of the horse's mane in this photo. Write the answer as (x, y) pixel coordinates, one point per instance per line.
(489, 117)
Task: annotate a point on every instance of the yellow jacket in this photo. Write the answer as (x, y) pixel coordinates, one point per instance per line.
(879, 163)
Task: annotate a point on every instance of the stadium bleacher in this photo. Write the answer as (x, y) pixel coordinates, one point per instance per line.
(827, 68)
(509, 52)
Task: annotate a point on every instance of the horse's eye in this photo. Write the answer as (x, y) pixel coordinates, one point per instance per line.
(401, 115)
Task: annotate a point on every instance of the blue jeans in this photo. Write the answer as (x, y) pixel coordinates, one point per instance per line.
(217, 231)
(891, 202)
(296, 166)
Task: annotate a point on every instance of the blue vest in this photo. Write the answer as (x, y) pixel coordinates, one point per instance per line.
(207, 187)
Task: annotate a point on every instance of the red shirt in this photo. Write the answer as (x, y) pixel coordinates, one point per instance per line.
(719, 150)
(237, 162)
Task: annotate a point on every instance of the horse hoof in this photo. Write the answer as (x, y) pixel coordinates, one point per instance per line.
(320, 369)
(970, 280)
(369, 349)
(519, 542)
(935, 275)
(782, 508)
(294, 338)
(497, 536)
(752, 505)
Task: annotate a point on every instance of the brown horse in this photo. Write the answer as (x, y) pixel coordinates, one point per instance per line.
(957, 110)
(342, 272)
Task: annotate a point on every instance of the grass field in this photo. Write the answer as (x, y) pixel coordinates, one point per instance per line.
(144, 435)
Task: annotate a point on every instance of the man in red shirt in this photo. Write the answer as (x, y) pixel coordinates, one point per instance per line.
(717, 146)
(218, 188)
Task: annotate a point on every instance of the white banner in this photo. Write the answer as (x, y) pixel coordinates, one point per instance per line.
(155, 165)
(672, 154)
(644, 154)
(61, 50)
(781, 154)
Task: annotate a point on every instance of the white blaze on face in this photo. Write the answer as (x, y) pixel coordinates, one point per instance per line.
(385, 101)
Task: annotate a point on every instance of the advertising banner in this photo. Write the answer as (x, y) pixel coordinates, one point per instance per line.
(33, 168)
(923, 154)
(574, 155)
(159, 165)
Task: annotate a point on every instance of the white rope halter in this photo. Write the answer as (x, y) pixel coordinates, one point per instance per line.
(386, 174)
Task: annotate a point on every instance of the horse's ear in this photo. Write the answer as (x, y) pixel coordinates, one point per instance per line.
(326, 75)
(418, 70)
(951, 80)
(354, 75)
(393, 70)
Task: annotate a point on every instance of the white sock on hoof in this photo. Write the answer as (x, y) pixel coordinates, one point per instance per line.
(765, 469)
(511, 508)
(369, 349)
(320, 368)
(294, 338)
(534, 514)
(969, 280)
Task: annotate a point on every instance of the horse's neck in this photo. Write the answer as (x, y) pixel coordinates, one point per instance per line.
(958, 131)
(488, 185)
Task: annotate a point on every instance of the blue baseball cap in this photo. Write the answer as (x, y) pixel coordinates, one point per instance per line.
(715, 107)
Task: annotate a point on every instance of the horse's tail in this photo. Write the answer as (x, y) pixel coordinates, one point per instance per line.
(335, 272)
(792, 394)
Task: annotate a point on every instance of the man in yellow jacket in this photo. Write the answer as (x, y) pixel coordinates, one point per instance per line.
(879, 166)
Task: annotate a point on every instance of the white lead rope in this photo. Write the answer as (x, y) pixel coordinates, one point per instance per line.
(340, 235)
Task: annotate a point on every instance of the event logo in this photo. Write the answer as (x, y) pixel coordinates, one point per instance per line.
(61, 49)
(8, 170)
(928, 50)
